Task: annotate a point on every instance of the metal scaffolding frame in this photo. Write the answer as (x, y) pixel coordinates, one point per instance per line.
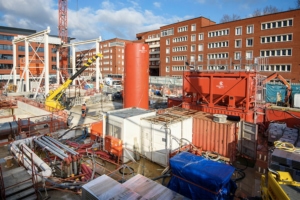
(26, 71)
(73, 45)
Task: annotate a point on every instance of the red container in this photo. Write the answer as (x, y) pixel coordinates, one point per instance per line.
(290, 116)
(174, 101)
(136, 76)
(231, 90)
(246, 116)
(96, 130)
(213, 136)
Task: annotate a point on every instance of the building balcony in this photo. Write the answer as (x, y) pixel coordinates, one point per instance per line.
(154, 45)
(154, 59)
(154, 52)
(152, 40)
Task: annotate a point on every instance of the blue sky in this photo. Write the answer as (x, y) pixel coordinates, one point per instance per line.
(89, 19)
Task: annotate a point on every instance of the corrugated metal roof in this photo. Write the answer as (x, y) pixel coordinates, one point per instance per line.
(130, 112)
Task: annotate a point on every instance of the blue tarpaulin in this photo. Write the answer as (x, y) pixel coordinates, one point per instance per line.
(196, 177)
(273, 89)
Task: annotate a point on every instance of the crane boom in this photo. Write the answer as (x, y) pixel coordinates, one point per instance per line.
(54, 99)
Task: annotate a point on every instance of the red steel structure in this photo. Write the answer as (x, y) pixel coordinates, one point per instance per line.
(229, 93)
(136, 76)
(63, 20)
(63, 34)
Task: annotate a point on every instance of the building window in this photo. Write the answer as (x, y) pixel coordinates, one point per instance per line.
(193, 27)
(182, 29)
(200, 47)
(193, 48)
(249, 42)
(200, 67)
(277, 52)
(167, 32)
(53, 67)
(237, 55)
(237, 67)
(238, 43)
(200, 36)
(167, 69)
(167, 41)
(200, 57)
(168, 50)
(167, 59)
(250, 29)
(249, 55)
(193, 38)
(238, 31)
(277, 24)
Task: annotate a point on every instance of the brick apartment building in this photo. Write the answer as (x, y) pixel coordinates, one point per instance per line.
(7, 35)
(112, 61)
(268, 43)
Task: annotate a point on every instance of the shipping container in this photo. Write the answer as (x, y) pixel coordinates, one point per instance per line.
(216, 137)
(125, 124)
(290, 116)
(164, 134)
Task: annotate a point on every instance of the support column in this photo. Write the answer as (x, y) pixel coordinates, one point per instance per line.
(26, 69)
(14, 64)
(57, 67)
(46, 61)
(73, 63)
(97, 67)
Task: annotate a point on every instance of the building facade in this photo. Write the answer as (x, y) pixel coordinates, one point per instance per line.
(112, 62)
(36, 53)
(268, 43)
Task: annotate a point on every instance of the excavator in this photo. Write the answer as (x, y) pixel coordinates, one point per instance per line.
(288, 86)
(279, 185)
(56, 99)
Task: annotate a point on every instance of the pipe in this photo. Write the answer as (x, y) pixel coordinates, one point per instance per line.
(46, 170)
(53, 146)
(62, 145)
(49, 149)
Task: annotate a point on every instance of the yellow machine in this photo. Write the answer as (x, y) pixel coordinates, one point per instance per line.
(279, 186)
(56, 99)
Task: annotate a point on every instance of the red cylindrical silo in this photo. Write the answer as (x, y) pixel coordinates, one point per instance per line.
(136, 76)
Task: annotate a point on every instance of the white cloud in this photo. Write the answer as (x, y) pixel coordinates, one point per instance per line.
(105, 19)
(157, 4)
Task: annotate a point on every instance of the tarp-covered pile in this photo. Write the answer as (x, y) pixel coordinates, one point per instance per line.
(196, 177)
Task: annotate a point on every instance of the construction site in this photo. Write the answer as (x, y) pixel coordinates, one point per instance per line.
(212, 134)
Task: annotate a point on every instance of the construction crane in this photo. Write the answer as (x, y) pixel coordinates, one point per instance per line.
(63, 34)
(279, 185)
(56, 99)
(288, 86)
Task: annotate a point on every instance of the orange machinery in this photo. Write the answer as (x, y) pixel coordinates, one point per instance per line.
(229, 93)
(96, 130)
(113, 145)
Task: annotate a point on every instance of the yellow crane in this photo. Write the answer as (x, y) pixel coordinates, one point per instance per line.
(56, 99)
(279, 185)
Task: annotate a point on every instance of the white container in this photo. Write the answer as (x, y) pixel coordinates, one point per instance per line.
(125, 124)
(162, 135)
(297, 101)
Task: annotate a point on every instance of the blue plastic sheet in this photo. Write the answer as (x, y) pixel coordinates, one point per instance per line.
(196, 177)
(273, 89)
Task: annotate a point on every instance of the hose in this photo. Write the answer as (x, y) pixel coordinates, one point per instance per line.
(286, 146)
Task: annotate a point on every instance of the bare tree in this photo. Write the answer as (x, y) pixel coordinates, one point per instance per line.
(256, 13)
(297, 4)
(227, 18)
(270, 10)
